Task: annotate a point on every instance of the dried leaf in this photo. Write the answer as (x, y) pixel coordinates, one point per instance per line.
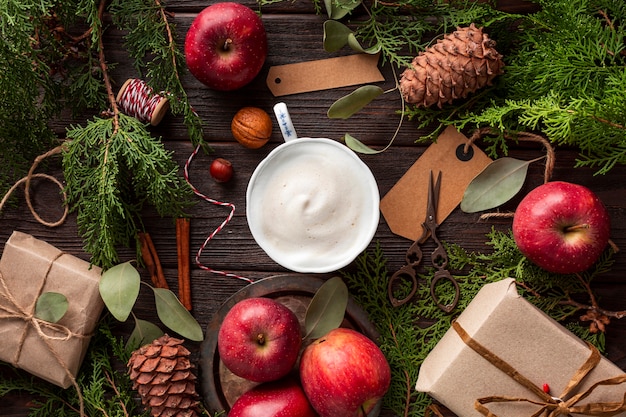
(175, 316)
(336, 9)
(119, 289)
(51, 307)
(355, 45)
(353, 102)
(500, 181)
(358, 146)
(144, 332)
(327, 308)
(335, 35)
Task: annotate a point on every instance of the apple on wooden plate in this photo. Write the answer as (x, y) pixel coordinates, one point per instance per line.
(561, 227)
(282, 398)
(259, 339)
(344, 373)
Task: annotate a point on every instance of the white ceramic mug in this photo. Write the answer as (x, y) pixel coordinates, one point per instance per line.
(312, 204)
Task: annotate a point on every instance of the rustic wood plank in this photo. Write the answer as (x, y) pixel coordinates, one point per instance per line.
(234, 250)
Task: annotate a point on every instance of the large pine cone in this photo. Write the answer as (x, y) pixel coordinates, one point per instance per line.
(461, 63)
(163, 376)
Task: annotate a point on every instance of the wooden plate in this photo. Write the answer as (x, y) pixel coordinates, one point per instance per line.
(220, 388)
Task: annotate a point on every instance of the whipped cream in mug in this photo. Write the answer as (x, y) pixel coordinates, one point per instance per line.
(312, 205)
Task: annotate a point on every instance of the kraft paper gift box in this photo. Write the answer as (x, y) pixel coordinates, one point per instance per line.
(51, 351)
(527, 344)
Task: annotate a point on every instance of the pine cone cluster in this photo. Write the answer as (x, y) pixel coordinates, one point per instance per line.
(457, 65)
(163, 376)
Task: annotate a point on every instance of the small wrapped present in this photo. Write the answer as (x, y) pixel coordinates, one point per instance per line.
(52, 351)
(502, 354)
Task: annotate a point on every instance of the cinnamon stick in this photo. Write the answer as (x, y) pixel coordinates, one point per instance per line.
(184, 262)
(151, 260)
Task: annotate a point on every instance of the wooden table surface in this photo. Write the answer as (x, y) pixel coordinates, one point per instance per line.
(294, 35)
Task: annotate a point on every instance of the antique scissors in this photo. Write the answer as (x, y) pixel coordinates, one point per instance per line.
(439, 257)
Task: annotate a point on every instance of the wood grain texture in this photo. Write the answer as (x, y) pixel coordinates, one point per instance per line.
(295, 35)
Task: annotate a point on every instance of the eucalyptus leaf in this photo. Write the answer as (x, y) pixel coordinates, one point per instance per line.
(355, 45)
(353, 102)
(358, 146)
(327, 308)
(51, 306)
(335, 35)
(175, 316)
(337, 9)
(500, 181)
(119, 289)
(144, 332)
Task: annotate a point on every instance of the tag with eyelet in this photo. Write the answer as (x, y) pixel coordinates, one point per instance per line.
(323, 74)
(404, 206)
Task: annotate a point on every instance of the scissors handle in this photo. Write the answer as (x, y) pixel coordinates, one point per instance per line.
(439, 257)
(406, 273)
(443, 274)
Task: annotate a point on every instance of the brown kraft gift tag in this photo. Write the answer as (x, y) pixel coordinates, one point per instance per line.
(404, 206)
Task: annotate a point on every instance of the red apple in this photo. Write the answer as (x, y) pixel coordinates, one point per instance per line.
(226, 46)
(344, 374)
(282, 398)
(561, 227)
(259, 339)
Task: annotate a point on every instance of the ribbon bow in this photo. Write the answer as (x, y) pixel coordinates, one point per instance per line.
(564, 405)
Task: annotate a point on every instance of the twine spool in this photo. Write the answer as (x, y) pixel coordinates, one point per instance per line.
(137, 99)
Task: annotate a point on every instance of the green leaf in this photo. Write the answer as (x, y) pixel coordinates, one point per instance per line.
(51, 307)
(500, 181)
(175, 316)
(353, 102)
(335, 35)
(358, 146)
(119, 289)
(327, 308)
(143, 333)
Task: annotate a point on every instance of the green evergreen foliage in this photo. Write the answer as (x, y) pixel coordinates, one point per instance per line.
(104, 383)
(98, 162)
(564, 77)
(409, 332)
(157, 56)
(52, 57)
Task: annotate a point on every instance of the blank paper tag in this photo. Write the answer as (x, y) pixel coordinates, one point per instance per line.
(404, 206)
(323, 74)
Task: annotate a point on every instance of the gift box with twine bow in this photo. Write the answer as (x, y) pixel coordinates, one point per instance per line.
(501, 356)
(52, 351)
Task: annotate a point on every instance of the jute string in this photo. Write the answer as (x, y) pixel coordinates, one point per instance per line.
(13, 310)
(27, 191)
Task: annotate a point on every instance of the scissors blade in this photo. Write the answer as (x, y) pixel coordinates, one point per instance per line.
(433, 199)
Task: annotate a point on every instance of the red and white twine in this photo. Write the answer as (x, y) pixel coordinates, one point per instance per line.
(218, 229)
(137, 99)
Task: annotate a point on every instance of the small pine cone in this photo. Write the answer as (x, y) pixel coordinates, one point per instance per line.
(163, 376)
(461, 63)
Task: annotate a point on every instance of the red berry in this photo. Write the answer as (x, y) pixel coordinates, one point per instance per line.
(221, 170)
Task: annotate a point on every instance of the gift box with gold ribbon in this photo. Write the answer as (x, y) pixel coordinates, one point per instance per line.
(30, 267)
(504, 357)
